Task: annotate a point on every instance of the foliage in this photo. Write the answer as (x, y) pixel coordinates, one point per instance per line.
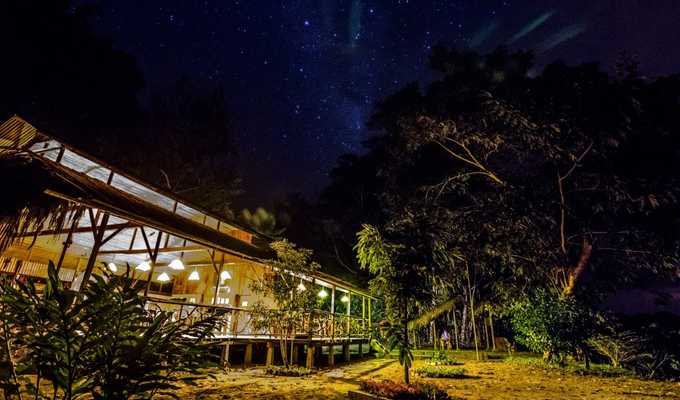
(287, 371)
(551, 325)
(441, 372)
(261, 221)
(620, 348)
(102, 342)
(401, 391)
(659, 347)
(602, 370)
(442, 358)
(294, 300)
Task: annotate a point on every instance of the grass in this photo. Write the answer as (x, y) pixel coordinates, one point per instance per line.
(441, 372)
(574, 368)
(287, 371)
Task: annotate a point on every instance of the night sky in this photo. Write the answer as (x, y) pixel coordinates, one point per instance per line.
(302, 77)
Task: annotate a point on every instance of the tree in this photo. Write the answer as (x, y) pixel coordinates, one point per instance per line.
(261, 221)
(288, 282)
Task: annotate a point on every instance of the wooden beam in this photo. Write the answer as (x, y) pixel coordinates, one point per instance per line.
(176, 249)
(98, 235)
(153, 260)
(69, 238)
(82, 229)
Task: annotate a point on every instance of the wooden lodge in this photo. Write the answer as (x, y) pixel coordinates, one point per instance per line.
(192, 261)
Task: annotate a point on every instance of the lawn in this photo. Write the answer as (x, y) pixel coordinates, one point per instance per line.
(522, 377)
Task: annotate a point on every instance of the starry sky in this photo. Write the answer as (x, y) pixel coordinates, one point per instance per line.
(302, 77)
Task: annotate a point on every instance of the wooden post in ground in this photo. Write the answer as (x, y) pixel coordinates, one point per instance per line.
(224, 356)
(360, 349)
(294, 354)
(309, 364)
(270, 354)
(248, 356)
(346, 352)
(331, 355)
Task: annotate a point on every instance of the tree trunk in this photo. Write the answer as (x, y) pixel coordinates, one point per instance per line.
(455, 329)
(472, 312)
(577, 272)
(407, 379)
(493, 336)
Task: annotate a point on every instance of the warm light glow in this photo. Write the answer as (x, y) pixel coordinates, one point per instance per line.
(244, 304)
(144, 266)
(301, 287)
(193, 276)
(344, 298)
(225, 275)
(176, 264)
(113, 267)
(163, 277)
(323, 293)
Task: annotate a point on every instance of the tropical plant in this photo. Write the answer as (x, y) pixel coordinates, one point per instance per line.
(441, 372)
(295, 304)
(100, 342)
(549, 324)
(401, 391)
(620, 348)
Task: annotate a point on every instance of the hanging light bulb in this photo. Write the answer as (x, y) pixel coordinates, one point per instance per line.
(224, 275)
(301, 287)
(112, 267)
(323, 293)
(144, 266)
(193, 276)
(344, 298)
(176, 264)
(163, 277)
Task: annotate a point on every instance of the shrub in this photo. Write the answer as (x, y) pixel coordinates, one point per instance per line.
(402, 391)
(287, 371)
(100, 343)
(548, 324)
(441, 372)
(441, 358)
(620, 348)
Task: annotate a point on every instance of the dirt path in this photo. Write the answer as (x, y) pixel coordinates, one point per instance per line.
(493, 380)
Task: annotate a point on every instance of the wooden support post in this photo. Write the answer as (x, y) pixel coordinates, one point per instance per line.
(361, 348)
(224, 357)
(248, 356)
(69, 237)
(98, 237)
(493, 336)
(269, 361)
(346, 352)
(331, 355)
(295, 353)
(154, 255)
(309, 364)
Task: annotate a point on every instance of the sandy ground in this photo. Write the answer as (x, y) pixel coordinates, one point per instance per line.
(491, 379)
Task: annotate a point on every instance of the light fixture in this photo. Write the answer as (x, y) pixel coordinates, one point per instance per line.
(323, 293)
(244, 304)
(224, 275)
(176, 264)
(163, 277)
(301, 287)
(112, 267)
(344, 298)
(193, 276)
(144, 266)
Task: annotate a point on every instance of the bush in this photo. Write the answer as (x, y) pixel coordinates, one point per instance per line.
(441, 358)
(441, 372)
(620, 348)
(548, 324)
(101, 343)
(402, 391)
(287, 371)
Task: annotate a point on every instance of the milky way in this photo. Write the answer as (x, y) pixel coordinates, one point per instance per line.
(302, 76)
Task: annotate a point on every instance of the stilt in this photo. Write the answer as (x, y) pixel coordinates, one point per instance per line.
(294, 355)
(331, 355)
(361, 353)
(270, 354)
(311, 349)
(346, 352)
(224, 356)
(248, 357)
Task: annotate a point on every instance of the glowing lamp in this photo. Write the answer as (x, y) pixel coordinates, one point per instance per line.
(344, 298)
(193, 276)
(301, 287)
(323, 293)
(176, 264)
(144, 266)
(163, 277)
(224, 275)
(113, 267)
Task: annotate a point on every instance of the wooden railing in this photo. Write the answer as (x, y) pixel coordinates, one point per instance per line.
(239, 322)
